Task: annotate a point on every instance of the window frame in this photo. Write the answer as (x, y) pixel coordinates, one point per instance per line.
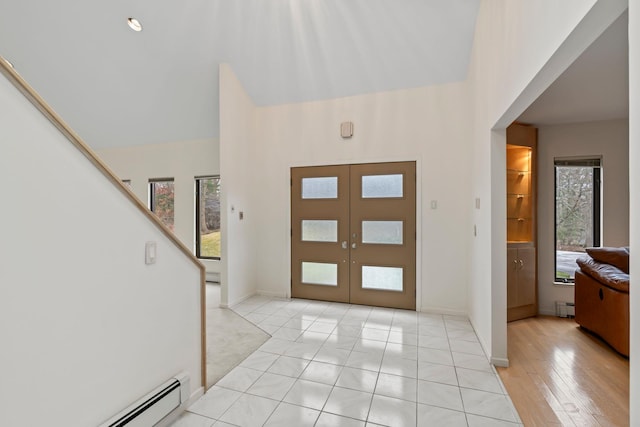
(197, 217)
(596, 164)
(152, 198)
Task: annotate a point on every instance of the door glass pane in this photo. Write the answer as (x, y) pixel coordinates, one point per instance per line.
(320, 273)
(382, 232)
(320, 188)
(381, 186)
(382, 278)
(319, 230)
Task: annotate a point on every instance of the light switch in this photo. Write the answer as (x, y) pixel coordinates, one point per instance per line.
(477, 202)
(241, 215)
(150, 253)
(434, 204)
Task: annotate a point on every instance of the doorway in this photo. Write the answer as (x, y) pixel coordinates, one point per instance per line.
(353, 234)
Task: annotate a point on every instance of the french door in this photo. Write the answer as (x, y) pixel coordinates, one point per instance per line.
(353, 233)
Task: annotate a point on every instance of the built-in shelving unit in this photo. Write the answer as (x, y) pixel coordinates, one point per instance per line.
(521, 222)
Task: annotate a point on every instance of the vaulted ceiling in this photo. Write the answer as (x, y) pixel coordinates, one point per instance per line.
(117, 87)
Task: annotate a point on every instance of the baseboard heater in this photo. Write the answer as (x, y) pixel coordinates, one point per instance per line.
(154, 406)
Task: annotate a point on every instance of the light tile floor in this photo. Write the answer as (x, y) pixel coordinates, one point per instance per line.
(330, 364)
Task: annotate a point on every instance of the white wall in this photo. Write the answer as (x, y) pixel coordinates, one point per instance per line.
(182, 161)
(634, 202)
(426, 125)
(87, 328)
(609, 139)
(239, 165)
(519, 49)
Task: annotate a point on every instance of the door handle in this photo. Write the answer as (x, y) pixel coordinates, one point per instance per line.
(344, 244)
(521, 264)
(353, 245)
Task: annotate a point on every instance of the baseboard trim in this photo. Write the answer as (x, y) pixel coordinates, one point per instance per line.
(272, 294)
(499, 361)
(445, 311)
(174, 415)
(547, 312)
(238, 301)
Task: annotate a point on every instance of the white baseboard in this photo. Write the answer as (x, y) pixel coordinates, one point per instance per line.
(272, 294)
(442, 310)
(238, 301)
(212, 277)
(175, 414)
(499, 361)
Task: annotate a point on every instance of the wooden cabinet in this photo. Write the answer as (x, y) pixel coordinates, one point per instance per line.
(522, 281)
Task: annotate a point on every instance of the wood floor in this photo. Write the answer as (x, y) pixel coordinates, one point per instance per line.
(559, 374)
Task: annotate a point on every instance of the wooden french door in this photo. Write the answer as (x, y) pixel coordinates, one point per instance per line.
(353, 233)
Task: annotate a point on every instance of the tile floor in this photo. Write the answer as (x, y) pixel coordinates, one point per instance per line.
(330, 364)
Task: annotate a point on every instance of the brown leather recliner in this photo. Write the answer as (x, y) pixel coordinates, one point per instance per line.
(602, 295)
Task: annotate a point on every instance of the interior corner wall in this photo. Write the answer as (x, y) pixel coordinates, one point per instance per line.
(87, 327)
(634, 203)
(242, 219)
(182, 161)
(608, 139)
(519, 49)
(427, 125)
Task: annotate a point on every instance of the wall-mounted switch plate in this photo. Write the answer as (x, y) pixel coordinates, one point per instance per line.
(477, 202)
(150, 253)
(434, 204)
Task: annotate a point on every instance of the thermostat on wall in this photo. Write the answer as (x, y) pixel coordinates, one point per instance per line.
(346, 129)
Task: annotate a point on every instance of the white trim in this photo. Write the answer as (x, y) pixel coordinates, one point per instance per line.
(499, 361)
(445, 311)
(273, 294)
(175, 414)
(238, 301)
(547, 313)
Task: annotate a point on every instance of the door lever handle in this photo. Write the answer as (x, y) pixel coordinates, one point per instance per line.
(353, 245)
(344, 244)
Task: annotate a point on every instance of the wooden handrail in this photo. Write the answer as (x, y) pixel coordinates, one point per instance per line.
(12, 75)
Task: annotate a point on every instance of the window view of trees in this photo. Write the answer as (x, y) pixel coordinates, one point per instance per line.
(208, 217)
(161, 198)
(577, 216)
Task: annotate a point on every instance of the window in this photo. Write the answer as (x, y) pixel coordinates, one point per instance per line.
(161, 196)
(577, 213)
(208, 217)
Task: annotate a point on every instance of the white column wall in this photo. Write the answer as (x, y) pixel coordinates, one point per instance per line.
(634, 202)
(519, 49)
(87, 328)
(239, 165)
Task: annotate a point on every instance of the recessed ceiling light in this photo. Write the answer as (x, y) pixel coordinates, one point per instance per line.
(134, 24)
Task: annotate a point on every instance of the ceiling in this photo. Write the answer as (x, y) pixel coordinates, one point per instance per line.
(116, 87)
(595, 87)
